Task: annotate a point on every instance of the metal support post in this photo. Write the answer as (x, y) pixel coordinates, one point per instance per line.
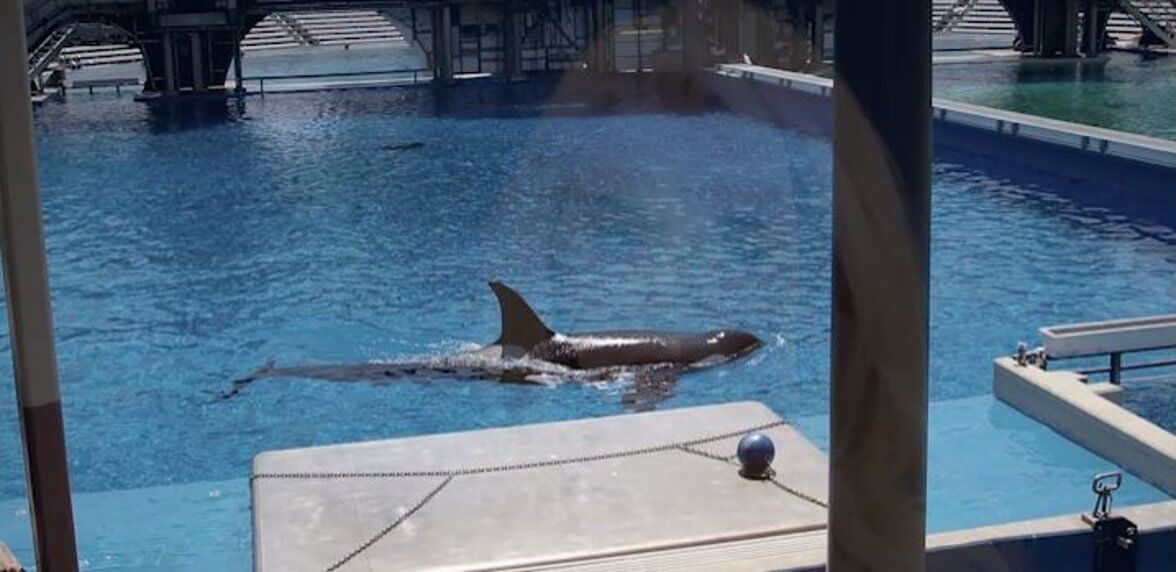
(1092, 26)
(881, 252)
(1039, 28)
(238, 75)
(1070, 21)
(442, 44)
(29, 319)
(513, 52)
(170, 84)
(197, 45)
(1115, 373)
(694, 42)
(818, 39)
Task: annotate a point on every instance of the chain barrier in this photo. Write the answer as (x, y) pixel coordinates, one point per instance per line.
(730, 459)
(449, 475)
(514, 466)
(384, 532)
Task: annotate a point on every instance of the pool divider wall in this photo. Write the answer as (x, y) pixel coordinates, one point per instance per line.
(1129, 173)
(1064, 402)
(1051, 543)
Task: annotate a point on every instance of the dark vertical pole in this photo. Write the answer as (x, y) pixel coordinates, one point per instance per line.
(1092, 25)
(818, 42)
(513, 52)
(238, 75)
(881, 250)
(29, 320)
(169, 64)
(695, 49)
(1070, 21)
(636, 6)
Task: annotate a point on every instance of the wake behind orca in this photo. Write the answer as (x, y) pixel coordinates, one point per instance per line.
(527, 351)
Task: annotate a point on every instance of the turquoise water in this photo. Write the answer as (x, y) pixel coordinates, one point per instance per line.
(1128, 92)
(191, 244)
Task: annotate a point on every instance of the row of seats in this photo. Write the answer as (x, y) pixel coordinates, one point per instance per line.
(276, 31)
(990, 17)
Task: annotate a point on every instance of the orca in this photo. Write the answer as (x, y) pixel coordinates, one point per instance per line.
(527, 348)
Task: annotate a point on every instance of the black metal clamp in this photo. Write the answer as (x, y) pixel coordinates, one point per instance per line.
(1115, 537)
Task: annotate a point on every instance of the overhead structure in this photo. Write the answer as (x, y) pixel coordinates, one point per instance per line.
(190, 46)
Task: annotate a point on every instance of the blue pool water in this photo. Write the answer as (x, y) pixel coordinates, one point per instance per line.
(192, 244)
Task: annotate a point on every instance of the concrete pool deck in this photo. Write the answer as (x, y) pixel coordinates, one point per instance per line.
(659, 509)
(540, 495)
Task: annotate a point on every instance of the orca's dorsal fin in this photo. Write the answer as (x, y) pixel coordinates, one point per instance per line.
(521, 326)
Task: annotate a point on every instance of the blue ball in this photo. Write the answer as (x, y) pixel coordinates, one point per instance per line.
(756, 453)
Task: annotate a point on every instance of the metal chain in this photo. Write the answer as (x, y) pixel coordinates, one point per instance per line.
(384, 532)
(798, 494)
(686, 446)
(515, 466)
(709, 455)
(730, 459)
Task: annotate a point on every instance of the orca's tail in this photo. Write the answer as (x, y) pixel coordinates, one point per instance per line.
(240, 383)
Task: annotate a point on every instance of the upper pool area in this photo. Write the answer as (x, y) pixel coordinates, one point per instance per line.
(191, 243)
(1123, 91)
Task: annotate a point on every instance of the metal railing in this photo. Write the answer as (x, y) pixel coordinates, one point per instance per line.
(418, 75)
(1114, 371)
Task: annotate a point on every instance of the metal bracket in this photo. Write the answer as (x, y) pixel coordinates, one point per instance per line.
(1115, 537)
(1027, 357)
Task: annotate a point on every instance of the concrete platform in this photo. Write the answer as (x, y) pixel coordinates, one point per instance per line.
(575, 492)
(1097, 338)
(1065, 403)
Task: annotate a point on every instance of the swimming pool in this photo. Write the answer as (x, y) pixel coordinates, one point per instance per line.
(190, 244)
(1123, 91)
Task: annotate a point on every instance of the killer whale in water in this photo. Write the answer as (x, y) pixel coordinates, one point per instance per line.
(527, 349)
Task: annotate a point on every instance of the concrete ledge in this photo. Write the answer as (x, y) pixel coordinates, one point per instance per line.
(1099, 141)
(1028, 545)
(545, 513)
(1096, 338)
(1061, 400)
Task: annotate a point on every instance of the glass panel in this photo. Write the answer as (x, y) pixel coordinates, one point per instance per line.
(298, 253)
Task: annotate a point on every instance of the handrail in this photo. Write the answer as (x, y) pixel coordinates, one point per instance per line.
(1146, 19)
(262, 78)
(1115, 339)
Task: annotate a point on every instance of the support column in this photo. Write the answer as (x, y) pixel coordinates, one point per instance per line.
(238, 74)
(29, 318)
(197, 46)
(442, 44)
(1070, 21)
(695, 49)
(1092, 27)
(818, 34)
(881, 247)
(169, 64)
(749, 19)
(513, 41)
(1039, 43)
(1055, 24)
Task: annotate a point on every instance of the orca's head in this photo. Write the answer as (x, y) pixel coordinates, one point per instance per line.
(732, 343)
